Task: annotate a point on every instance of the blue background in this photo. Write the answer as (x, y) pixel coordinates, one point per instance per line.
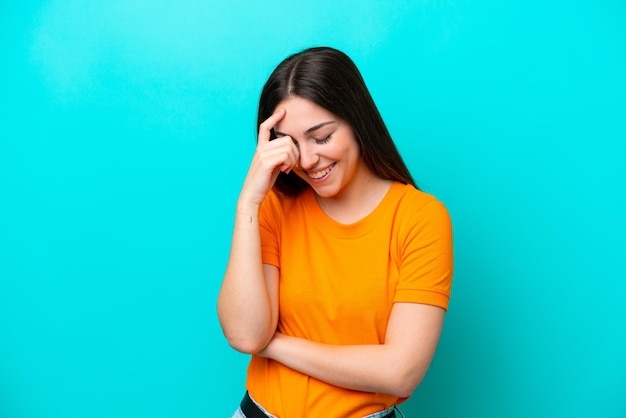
(126, 128)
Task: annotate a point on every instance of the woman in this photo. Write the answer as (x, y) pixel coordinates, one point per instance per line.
(340, 268)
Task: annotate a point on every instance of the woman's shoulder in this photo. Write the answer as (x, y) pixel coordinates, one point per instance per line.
(414, 202)
(409, 194)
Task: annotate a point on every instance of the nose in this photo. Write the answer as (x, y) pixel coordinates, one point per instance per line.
(308, 157)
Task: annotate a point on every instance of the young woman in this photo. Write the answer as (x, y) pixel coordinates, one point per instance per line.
(340, 269)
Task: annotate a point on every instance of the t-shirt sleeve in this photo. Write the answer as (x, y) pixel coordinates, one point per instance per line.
(269, 229)
(426, 257)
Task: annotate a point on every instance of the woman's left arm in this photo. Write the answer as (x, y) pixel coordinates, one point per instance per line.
(395, 367)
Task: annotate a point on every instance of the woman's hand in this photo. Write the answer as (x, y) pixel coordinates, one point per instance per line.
(270, 158)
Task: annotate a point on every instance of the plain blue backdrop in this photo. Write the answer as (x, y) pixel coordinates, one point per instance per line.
(126, 128)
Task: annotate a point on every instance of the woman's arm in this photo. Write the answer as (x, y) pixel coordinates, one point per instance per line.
(248, 299)
(395, 367)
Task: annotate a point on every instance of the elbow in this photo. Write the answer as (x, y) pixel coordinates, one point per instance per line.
(404, 383)
(246, 345)
(249, 339)
(403, 389)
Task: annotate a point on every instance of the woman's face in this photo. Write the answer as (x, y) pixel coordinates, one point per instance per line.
(329, 156)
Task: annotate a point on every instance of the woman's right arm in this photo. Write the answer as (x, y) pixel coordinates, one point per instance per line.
(248, 298)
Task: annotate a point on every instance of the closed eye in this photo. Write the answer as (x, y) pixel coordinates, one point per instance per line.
(322, 141)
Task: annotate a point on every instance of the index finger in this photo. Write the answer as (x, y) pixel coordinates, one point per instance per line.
(267, 125)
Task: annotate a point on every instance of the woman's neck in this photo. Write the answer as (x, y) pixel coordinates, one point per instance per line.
(357, 200)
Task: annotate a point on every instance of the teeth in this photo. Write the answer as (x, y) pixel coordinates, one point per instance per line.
(320, 174)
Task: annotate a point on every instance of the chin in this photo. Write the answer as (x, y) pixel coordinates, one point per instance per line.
(325, 192)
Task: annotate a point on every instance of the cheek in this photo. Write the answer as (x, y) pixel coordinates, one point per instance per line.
(348, 145)
(348, 151)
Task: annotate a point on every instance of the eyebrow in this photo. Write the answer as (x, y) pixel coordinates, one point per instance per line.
(311, 129)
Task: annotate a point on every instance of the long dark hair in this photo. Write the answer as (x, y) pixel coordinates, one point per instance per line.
(329, 78)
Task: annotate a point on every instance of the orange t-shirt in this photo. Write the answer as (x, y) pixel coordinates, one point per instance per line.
(338, 284)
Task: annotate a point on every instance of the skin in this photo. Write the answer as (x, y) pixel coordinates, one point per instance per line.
(315, 143)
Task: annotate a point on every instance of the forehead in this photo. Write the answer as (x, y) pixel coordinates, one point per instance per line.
(301, 114)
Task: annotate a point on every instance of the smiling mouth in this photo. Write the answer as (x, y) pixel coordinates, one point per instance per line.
(323, 173)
